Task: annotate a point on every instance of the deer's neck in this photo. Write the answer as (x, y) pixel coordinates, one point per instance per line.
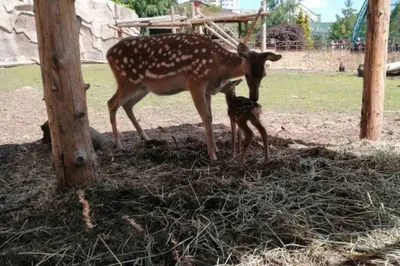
(231, 66)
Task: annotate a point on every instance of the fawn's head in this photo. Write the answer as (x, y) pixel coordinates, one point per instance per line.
(253, 66)
(229, 87)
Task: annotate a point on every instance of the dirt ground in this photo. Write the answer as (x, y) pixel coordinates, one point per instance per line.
(325, 198)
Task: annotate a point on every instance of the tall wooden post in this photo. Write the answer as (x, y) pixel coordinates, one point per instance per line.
(263, 28)
(74, 159)
(173, 18)
(193, 15)
(118, 16)
(375, 61)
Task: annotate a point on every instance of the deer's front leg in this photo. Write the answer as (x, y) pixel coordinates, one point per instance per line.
(200, 102)
(208, 99)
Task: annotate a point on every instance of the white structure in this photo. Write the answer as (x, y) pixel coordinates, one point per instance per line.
(311, 15)
(230, 4)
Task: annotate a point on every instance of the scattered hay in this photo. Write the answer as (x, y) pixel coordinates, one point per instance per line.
(164, 203)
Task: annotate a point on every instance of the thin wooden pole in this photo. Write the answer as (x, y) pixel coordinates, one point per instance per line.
(263, 28)
(375, 60)
(172, 18)
(219, 36)
(199, 28)
(253, 26)
(117, 16)
(57, 30)
(192, 15)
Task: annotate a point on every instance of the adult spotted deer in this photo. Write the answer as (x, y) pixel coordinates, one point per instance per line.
(171, 63)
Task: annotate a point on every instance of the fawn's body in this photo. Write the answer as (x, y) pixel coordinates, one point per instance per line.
(171, 63)
(240, 111)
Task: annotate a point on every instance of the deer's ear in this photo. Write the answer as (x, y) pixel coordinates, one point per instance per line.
(271, 56)
(243, 50)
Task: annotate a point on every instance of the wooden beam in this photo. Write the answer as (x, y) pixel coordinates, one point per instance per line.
(219, 36)
(195, 21)
(120, 30)
(57, 30)
(253, 26)
(375, 60)
(263, 28)
(152, 19)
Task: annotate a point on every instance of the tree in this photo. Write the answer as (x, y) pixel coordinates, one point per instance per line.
(343, 27)
(394, 31)
(74, 158)
(303, 22)
(148, 8)
(284, 13)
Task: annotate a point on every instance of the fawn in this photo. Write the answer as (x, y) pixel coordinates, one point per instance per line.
(240, 111)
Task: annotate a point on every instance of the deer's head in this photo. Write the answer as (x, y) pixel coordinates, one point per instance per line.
(253, 66)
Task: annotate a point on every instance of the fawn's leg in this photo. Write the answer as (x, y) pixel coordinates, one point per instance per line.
(208, 99)
(200, 101)
(139, 95)
(233, 132)
(257, 124)
(248, 138)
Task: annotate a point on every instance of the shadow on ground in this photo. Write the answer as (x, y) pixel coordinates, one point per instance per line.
(164, 203)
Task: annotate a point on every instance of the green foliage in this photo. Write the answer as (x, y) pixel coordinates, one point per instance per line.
(283, 14)
(343, 27)
(394, 31)
(303, 21)
(148, 8)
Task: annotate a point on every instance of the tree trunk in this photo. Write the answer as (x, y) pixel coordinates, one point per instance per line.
(375, 69)
(57, 25)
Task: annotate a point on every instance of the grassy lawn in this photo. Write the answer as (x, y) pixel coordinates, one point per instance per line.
(287, 91)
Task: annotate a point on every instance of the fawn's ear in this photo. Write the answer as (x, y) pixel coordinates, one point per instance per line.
(237, 82)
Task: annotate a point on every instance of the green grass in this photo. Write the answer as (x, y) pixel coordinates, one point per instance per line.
(286, 91)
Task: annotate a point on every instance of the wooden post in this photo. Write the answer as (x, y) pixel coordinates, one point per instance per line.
(200, 28)
(263, 28)
(173, 19)
(74, 159)
(117, 16)
(375, 69)
(193, 15)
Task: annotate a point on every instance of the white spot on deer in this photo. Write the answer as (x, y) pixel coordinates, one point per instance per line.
(125, 60)
(120, 51)
(115, 50)
(184, 57)
(133, 43)
(178, 60)
(140, 46)
(140, 66)
(173, 56)
(131, 80)
(160, 51)
(131, 60)
(158, 65)
(141, 76)
(204, 50)
(166, 47)
(148, 50)
(145, 46)
(206, 72)
(135, 50)
(196, 51)
(117, 67)
(204, 61)
(210, 61)
(123, 73)
(122, 66)
(171, 74)
(129, 65)
(134, 70)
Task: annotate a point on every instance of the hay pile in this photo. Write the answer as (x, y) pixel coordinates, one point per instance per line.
(164, 203)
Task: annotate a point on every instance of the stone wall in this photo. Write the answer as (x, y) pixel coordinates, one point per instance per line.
(324, 60)
(18, 31)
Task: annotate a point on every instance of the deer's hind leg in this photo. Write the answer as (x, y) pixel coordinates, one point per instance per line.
(128, 107)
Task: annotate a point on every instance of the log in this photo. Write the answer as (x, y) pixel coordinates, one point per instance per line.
(73, 156)
(120, 31)
(151, 19)
(98, 140)
(375, 60)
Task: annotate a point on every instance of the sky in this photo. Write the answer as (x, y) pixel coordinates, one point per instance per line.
(327, 8)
